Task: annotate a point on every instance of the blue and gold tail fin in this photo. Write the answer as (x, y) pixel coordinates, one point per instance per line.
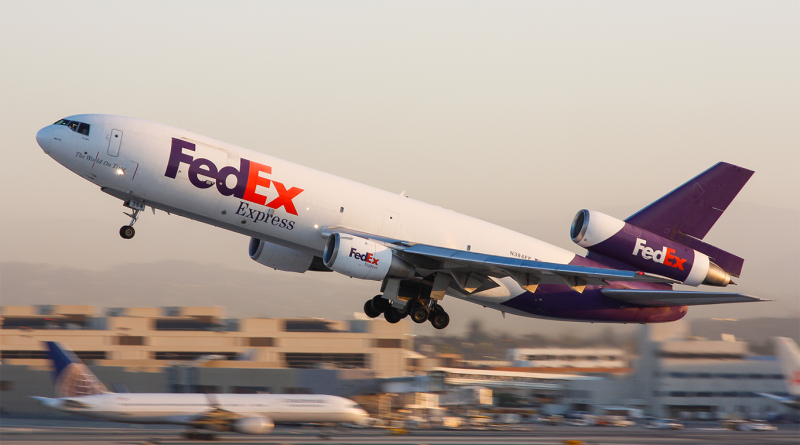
(70, 376)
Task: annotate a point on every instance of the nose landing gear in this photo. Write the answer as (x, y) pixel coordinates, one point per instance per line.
(127, 232)
(417, 310)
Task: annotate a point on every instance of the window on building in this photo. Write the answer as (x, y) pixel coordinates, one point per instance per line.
(41, 354)
(317, 360)
(185, 324)
(251, 390)
(91, 355)
(388, 343)
(184, 355)
(207, 389)
(308, 326)
(23, 354)
(297, 391)
(262, 341)
(130, 340)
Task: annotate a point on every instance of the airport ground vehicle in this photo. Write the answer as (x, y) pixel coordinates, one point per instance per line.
(664, 424)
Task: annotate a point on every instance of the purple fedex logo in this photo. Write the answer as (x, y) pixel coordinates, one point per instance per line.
(247, 177)
(368, 258)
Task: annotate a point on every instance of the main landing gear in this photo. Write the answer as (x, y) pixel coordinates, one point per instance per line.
(420, 311)
(127, 232)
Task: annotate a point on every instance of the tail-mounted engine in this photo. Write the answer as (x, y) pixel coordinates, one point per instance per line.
(644, 250)
(362, 258)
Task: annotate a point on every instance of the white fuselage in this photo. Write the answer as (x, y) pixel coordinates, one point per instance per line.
(129, 158)
(183, 409)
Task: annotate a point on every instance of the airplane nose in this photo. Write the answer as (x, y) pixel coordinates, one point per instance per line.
(44, 138)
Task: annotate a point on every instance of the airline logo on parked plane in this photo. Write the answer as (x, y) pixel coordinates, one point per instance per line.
(664, 256)
(247, 177)
(794, 380)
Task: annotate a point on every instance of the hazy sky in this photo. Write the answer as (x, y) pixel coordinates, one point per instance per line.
(520, 113)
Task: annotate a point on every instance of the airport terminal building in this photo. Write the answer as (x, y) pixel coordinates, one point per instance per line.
(152, 338)
(198, 349)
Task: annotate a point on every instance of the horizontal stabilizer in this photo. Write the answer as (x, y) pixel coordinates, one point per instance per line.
(676, 298)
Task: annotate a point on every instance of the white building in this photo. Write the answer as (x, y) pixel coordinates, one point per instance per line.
(568, 358)
(678, 375)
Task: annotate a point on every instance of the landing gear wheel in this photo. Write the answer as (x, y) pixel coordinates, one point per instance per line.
(369, 310)
(419, 313)
(380, 304)
(391, 316)
(399, 313)
(127, 232)
(439, 319)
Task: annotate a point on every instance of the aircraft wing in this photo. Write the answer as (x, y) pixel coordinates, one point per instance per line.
(676, 298)
(470, 269)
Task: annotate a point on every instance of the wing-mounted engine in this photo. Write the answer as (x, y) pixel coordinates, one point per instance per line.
(252, 425)
(363, 258)
(283, 258)
(644, 250)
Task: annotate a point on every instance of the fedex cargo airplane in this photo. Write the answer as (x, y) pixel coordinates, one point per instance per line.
(303, 220)
(80, 392)
(789, 356)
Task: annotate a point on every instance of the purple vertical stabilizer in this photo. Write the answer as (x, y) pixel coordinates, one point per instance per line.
(686, 214)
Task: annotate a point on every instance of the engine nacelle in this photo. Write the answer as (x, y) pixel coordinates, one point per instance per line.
(644, 250)
(279, 257)
(362, 258)
(252, 425)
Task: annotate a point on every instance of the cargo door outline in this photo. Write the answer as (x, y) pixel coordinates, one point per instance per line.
(114, 142)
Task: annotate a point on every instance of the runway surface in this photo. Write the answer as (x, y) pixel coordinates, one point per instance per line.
(43, 432)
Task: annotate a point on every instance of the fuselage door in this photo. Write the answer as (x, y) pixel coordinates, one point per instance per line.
(114, 142)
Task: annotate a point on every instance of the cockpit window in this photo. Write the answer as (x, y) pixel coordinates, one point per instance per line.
(76, 126)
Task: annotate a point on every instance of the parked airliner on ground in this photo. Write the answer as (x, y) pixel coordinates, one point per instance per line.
(789, 356)
(300, 219)
(80, 392)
